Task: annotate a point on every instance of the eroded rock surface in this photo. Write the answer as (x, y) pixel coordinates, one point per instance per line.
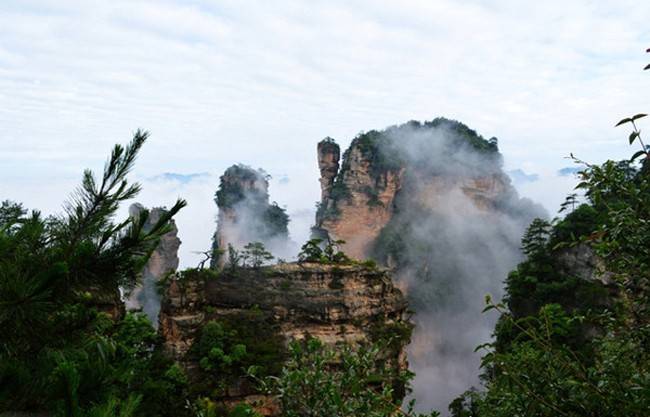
(163, 260)
(246, 215)
(341, 303)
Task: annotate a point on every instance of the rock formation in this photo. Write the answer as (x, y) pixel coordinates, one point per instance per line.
(245, 214)
(335, 303)
(431, 201)
(360, 199)
(581, 261)
(163, 261)
(329, 154)
(355, 204)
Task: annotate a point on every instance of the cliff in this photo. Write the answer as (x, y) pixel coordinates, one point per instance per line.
(245, 214)
(407, 165)
(430, 200)
(163, 261)
(265, 309)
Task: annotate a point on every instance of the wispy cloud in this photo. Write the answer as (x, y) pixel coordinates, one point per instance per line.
(568, 171)
(519, 176)
(261, 83)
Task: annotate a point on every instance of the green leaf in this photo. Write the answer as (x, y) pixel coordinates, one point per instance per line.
(638, 116)
(636, 155)
(626, 120)
(633, 136)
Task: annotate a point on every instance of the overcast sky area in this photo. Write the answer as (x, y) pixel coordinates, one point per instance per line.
(260, 83)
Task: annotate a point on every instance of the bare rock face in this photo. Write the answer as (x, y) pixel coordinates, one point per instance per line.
(329, 154)
(360, 204)
(334, 303)
(245, 214)
(382, 171)
(581, 261)
(163, 260)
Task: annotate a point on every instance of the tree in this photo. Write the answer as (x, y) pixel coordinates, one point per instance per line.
(57, 275)
(569, 202)
(560, 360)
(256, 254)
(318, 381)
(315, 250)
(536, 237)
(234, 257)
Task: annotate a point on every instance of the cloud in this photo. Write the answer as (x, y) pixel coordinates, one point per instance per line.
(518, 176)
(568, 171)
(284, 179)
(181, 178)
(241, 81)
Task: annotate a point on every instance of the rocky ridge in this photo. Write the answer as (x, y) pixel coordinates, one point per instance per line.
(335, 303)
(376, 175)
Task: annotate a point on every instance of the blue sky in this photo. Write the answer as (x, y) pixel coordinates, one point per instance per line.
(260, 83)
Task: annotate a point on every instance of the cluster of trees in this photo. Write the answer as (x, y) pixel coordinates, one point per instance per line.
(566, 346)
(325, 251)
(66, 347)
(253, 254)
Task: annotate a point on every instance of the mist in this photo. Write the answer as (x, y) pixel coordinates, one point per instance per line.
(460, 223)
(246, 215)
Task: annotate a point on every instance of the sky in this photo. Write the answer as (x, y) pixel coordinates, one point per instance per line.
(260, 83)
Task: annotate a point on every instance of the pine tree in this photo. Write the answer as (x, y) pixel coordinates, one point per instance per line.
(536, 237)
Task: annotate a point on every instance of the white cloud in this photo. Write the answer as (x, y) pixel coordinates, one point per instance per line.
(260, 83)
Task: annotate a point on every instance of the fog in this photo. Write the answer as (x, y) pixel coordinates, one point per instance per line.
(458, 241)
(246, 215)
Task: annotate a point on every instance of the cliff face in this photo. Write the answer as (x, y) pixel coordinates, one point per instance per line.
(245, 214)
(344, 303)
(163, 260)
(431, 201)
(381, 172)
(329, 154)
(359, 205)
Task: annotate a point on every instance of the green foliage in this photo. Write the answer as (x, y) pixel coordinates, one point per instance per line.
(320, 381)
(536, 238)
(231, 192)
(255, 254)
(578, 224)
(560, 350)
(234, 258)
(227, 347)
(218, 349)
(60, 353)
(323, 251)
(276, 220)
(540, 374)
(392, 335)
(242, 184)
(204, 407)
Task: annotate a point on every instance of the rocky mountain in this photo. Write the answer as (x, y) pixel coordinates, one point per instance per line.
(432, 201)
(245, 214)
(163, 261)
(263, 309)
(412, 164)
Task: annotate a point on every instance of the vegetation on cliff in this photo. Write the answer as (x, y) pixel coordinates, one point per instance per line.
(319, 381)
(241, 184)
(245, 211)
(227, 348)
(384, 153)
(564, 346)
